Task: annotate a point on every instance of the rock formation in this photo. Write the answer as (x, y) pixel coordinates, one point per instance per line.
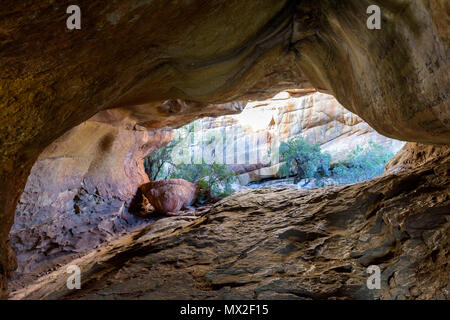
(76, 195)
(413, 155)
(169, 196)
(132, 55)
(243, 141)
(79, 191)
(284, 244)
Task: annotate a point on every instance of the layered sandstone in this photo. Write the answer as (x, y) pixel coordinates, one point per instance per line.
(414, 154)
(283, 244)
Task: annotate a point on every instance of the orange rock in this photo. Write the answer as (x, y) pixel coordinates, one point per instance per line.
(169, 196)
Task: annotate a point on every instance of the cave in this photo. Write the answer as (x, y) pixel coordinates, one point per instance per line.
(85, 111)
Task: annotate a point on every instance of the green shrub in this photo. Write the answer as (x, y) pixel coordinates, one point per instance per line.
(214, 180)
(363, 163)
(304, 161)
(155, 163)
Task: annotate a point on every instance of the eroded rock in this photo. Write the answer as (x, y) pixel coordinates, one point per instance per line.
(413, 155)
(169, 196)
(248, 142)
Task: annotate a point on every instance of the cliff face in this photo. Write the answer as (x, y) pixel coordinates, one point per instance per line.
(135, 54)
(247, 138)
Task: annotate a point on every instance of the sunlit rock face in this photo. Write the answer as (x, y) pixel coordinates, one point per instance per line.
(243, 141)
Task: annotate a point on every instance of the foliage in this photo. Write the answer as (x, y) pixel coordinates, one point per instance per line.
(155, 162)
(304, 161)
(214, 180)
(362, 163)
(300, 159)
(158, 163)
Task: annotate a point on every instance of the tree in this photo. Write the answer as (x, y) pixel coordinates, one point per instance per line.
(158, 163)
(362, 163)
(304, 161)
(214, 180)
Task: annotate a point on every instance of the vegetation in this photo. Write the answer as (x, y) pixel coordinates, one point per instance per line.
(157, 165)
(363, 163)
(154, 164)
(306, 161)
(214, 180)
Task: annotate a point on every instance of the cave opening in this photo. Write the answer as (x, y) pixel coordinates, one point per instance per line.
(79, 199)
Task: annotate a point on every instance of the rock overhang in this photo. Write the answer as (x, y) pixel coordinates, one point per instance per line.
(137, 53)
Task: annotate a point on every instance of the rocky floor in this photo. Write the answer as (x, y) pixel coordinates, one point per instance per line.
(275, 243)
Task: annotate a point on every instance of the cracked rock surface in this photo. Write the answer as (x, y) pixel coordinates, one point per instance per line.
(274, 243)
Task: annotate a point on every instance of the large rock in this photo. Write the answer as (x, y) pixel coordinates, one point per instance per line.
(169, 196)
(135, 54)
(414, 154)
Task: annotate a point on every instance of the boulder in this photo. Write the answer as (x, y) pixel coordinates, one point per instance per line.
(169, 196)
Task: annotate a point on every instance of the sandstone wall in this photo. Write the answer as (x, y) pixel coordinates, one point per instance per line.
(77, 191)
